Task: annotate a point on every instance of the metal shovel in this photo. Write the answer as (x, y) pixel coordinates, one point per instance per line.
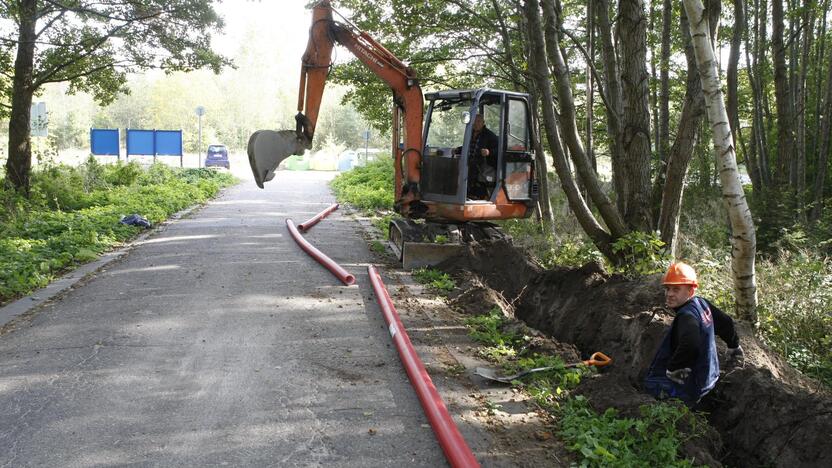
(598, 359)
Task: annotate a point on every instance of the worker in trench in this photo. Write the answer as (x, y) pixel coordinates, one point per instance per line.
(686, 365)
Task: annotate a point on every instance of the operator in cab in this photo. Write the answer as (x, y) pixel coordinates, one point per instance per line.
(482, 160)
(686, 365)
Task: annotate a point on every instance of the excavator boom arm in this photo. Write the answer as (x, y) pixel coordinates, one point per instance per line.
(407, 94)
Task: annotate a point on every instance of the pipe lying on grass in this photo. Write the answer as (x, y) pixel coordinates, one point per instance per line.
(456, 449)
(327, 262)
(306, 225)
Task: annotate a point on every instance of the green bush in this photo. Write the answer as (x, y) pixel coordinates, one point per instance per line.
(73, 216)
(122, 173)
(606, 440)
(643, 253)
(369, 187)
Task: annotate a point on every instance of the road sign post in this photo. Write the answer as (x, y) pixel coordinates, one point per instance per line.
(200, 111)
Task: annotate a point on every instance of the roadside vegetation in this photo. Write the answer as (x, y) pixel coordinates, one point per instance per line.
(72, 215)
(794, 271)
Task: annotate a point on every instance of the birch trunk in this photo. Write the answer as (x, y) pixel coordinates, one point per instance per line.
(743, 241)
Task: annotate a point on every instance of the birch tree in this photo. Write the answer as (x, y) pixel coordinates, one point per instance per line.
(743, 240)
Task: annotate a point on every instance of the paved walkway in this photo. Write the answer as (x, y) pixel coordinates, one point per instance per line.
(216, 342)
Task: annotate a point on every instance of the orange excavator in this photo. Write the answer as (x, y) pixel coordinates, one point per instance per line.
(452, 175)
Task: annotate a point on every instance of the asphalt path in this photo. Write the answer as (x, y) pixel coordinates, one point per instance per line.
(216, 342)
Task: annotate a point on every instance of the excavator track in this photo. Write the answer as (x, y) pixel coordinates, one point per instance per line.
(421, 244)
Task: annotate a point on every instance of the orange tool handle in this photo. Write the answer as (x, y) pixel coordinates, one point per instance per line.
(598, 359)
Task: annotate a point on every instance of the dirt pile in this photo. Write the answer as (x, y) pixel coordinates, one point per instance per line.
(767, 414)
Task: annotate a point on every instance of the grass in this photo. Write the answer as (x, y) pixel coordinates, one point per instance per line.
(434, 279)
(73, 213)
(607, 440)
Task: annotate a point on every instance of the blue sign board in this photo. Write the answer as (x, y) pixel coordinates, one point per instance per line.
(141, 142)
(169, 142)
(104, 141)
(154, 142)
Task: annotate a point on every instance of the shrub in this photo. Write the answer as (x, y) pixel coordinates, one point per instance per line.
(123, 173)
(606, 440)
(369, 187)
(61, 225)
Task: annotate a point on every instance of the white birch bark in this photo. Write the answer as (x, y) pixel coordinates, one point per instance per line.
(743, 235)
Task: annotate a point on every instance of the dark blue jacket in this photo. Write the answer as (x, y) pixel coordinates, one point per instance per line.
(704, 362)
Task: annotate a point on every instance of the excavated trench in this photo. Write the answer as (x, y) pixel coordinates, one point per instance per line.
(766, 414)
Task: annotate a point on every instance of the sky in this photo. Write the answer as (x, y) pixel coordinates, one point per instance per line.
(284, 22)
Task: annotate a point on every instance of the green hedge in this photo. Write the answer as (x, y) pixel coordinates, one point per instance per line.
(72, 215)
(369, 187)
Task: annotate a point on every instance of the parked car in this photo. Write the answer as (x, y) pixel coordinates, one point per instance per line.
(217, 157)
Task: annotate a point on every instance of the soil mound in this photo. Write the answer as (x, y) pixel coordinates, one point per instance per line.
(767, 414)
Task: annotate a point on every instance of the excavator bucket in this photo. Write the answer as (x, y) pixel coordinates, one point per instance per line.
(268, 148)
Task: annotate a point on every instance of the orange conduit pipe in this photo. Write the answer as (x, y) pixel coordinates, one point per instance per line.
(306, 225)
(327, 262)
(456, 449)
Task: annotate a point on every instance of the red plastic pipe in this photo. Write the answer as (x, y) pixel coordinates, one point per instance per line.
(450, 439)
(330, 265)
(306, 225)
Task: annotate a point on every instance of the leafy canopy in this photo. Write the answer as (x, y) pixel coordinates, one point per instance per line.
(94, 45)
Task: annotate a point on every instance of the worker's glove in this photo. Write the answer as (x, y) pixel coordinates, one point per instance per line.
(736, 358)
(679, 375)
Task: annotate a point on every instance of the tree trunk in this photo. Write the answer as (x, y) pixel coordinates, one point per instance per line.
(743, 240)
(569, 126)
(800, 111)
(783, 101)
(632, 32)
(733, 74)
(758, 122)
(823, 156)
(680, 154)
(820, 56)
(654, 85)
(545, 198)
(590, 84)
(664, 95)
(540, 73)
(620, 172)
(19, 164)
(663, 129)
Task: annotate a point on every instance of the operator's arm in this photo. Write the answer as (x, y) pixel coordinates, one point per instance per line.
(724, 326)
(684, 343)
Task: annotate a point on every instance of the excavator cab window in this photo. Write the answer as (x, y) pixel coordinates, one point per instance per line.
(519, 170)
(446, 135)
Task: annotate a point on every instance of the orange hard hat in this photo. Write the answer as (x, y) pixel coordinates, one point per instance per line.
(680, 273)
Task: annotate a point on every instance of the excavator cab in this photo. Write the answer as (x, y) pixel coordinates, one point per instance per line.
(477, 166)
(477, 155)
